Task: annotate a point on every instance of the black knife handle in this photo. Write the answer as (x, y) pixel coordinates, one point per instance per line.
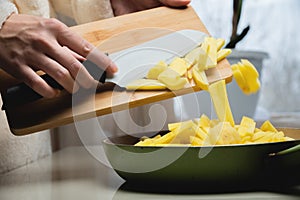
(21, 93)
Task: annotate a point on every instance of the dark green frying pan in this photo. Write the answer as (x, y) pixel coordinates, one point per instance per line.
(254, 164)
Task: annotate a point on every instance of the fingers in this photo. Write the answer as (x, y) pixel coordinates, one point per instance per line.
(74, 54)
(57, 72)
(34, 81)
(87, 50)
(69, 64)
(102, 60)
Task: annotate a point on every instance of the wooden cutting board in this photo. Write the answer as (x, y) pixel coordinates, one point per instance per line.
(111, 35)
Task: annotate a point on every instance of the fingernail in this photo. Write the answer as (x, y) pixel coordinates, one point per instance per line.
(114, 67)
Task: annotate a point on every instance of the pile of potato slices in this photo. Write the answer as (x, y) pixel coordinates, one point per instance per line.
(204, 131)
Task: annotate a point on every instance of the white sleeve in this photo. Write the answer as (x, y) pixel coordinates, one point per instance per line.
(6, 9)
(91, 10)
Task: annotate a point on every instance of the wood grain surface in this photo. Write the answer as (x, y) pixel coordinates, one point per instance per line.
(111, 35)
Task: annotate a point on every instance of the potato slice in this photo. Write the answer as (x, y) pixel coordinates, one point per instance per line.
(145, 84)
(268, 126)
(253, 84)
(220, 43)
(154, 72)
(219, 97)
(165, 139)
(203, 60)
(195, 141)
(193, 56)
(246, 76)
(204, 122)
(173, 126)
(179, 65)
(223, 53)
(240, 80)
(223, 133)
(172, 79)
(184, 131)
(247, 126)
(200, 133)
(212, 51)
(208, 56)
(258, 135)
(200, 78)
(250, 68)
(267, 137)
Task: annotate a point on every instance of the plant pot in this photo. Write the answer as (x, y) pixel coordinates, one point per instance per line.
(241, 104)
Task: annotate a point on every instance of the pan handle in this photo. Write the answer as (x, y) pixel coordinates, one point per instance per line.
(286, 151)
(283, 166)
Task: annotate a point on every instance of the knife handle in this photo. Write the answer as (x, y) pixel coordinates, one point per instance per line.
(21, 93)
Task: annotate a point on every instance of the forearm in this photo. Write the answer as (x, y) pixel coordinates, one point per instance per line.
(6, 9)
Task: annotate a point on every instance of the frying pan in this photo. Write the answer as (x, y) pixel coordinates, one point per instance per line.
(225, 166)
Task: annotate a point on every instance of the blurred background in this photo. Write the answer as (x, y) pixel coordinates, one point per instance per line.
(274, 30)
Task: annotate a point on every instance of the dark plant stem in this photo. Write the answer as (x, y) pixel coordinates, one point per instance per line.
(235, 38)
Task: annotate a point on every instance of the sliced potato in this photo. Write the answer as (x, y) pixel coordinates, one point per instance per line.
(246, 76)
(212, 53)
(200, 78)
(200, 133)
(172, 79)
(247, 126)
(173, 126)
(219, 97)
(179, 65)
(254, 85)
(203, 60)
(154, 72)
(195, 141)
(204, 122)
(268, 126)
(251, 69)
(208, 56)
(223, 53)
(145, 84)
(223, 133)
(165, 139)
(220, 133)
(220, 43)
(193, 56)
(240, 79)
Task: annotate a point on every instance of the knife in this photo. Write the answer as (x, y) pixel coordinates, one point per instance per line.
(133, 63)
(22, 94)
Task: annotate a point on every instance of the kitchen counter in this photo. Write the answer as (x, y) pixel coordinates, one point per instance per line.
(72, 173)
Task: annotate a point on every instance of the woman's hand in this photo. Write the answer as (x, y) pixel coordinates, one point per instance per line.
(29, 44)
(122, 7)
